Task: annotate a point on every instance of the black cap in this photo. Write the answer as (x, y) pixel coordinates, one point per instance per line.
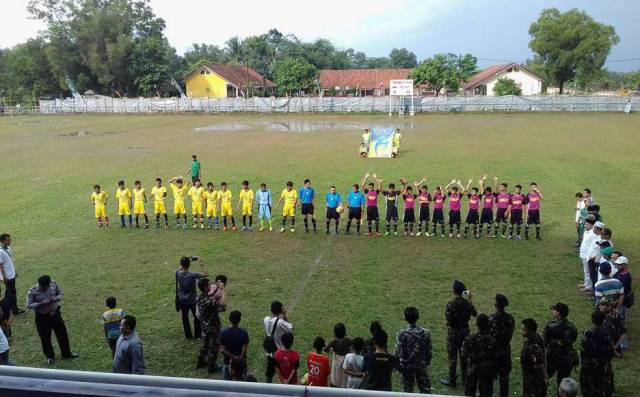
(458, 286)
(502, 300)
(561, 308)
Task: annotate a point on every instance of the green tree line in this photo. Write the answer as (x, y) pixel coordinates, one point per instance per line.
(119, 48)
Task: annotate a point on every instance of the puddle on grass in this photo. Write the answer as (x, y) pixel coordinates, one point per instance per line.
(302, 126)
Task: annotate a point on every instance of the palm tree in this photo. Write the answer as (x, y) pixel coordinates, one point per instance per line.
(234, 50)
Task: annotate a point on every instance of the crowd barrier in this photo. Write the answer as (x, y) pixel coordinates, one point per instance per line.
(25, 381)
(342, 105)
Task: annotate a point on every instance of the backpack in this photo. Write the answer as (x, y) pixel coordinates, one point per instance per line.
(269, 344)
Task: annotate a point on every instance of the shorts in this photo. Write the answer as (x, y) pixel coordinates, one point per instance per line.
(516, 216)
(332, 214)
(533, 217)
(212, 210)
(454, 217)
(123, 209)
(247, 209)
(409, 215)
(196, 208)
(101, 211)
(372, 214)
(178, 208)
(288, 210)
(159, 208)
(392, 214)
(501, 215)
(424, 213)
(472, 217)
(138, 208)
(355, 213)
(307, 209)
(487, 215)
(264, 211)
(226, 210)
(438, 215)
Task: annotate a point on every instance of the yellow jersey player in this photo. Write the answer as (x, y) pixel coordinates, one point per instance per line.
(211, 198)
(245, 198)
(179, 188)
(99, 201)
(196, 194)
(290, 197)
(123, 195)
(159, 194)
(226, 209)
(139, 199)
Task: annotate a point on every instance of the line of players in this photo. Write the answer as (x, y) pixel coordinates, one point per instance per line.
(512, 209)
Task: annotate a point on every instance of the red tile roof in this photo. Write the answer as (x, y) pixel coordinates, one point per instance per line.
(365, 79)
(238, 75)
(491, 71)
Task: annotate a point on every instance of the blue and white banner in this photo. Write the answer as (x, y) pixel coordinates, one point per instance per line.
(380, 142)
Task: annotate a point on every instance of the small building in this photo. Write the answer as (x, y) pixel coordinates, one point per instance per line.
(227, 81)
(483, 82)
(359, 82)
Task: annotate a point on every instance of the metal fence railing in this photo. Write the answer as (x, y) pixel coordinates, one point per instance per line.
(334, 104)
(25, 381)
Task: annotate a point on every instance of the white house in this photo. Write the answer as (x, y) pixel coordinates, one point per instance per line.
(483, 82)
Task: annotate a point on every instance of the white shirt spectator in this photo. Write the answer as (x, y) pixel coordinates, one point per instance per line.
(4, 343)
(580, 205)
(8, 270)
(282, 328)
(354, 362)
(587, 241)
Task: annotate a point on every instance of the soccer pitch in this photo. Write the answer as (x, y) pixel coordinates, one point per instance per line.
(50, 164)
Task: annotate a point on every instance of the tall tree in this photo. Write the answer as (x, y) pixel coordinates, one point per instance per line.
(570, 45)
(206, 53)
(444, 71)
(402, 58)
(97, 38)
(295, 75)
(27, 72)
(234, 50)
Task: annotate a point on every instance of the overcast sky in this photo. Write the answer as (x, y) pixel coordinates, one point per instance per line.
(494, 31)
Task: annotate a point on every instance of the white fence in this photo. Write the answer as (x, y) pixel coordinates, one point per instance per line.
(35, 382)
(333, 104)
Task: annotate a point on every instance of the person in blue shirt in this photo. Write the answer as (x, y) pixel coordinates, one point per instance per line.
(264, 199)
(306, 195)
(333, 201)
(355, 201)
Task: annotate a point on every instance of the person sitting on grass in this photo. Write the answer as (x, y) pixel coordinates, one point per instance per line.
(318, 365)
(287, 361)
(363, 150)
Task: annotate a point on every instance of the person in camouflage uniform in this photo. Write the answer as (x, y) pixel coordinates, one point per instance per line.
(458, 312)
(413, 350)
(559, 337)
(596, 373)
(533, 361)
(210, 320)
(501, 327)
(479, 353)
(613, 321)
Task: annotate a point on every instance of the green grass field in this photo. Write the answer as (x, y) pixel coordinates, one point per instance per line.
(48, 171)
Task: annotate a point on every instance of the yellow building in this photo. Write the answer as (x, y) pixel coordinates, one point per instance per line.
(227, 81)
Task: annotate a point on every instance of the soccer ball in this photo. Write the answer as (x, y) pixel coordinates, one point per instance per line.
(339, 209)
